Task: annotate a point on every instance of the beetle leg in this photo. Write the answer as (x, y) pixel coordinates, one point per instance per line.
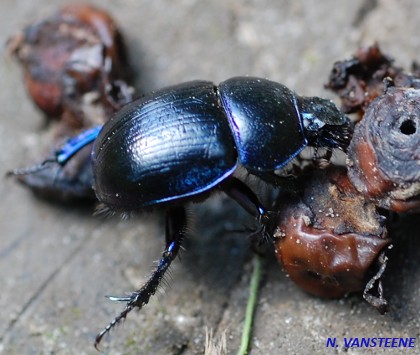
(176, 222)
(242, 194)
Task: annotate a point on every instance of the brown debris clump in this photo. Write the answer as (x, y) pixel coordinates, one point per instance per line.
(329, 238)
(365, 76)
(73, 60)
(76, 71)
(384, 154)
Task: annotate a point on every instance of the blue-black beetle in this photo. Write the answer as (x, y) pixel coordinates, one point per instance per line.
(183, 141)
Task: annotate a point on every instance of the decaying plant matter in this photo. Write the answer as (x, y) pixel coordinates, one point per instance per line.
(76, 71)
(331, 238)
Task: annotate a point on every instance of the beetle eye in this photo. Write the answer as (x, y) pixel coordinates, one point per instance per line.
(311, 123)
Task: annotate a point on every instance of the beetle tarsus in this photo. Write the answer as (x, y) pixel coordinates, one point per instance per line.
(111, 325)
(32, 169)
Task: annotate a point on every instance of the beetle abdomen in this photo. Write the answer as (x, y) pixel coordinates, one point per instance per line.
(265, 121)
(173, 143)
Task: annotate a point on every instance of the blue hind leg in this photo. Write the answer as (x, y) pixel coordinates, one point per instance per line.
(176, 222)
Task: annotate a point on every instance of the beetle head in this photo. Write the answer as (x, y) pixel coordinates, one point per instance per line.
(324, 124)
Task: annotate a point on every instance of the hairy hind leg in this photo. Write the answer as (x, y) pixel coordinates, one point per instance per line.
(175, 232)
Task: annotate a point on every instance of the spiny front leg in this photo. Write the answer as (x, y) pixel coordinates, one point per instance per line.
(175, 231)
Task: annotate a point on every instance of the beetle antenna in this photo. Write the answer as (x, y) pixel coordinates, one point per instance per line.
(338, 136)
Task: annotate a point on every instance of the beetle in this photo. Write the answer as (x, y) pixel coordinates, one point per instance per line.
(182, 142)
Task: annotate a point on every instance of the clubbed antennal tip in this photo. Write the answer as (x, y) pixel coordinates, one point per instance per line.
(337, 136)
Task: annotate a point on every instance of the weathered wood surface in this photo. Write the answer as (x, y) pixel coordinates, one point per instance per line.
(57, 262)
